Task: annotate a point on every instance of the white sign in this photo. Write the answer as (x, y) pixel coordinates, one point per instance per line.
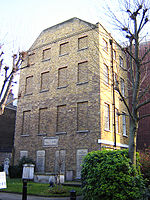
(28, 171)
(3, 180)
(50, 141)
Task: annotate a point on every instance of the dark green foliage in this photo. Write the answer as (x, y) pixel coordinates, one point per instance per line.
(16, 171)
(1, 168)
(145, 164)
(109, 175)
(25, 160)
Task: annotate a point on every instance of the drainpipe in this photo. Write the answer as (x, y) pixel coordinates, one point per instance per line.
(114, 115)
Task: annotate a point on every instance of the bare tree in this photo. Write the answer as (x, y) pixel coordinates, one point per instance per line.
(133, 26)
(9, 74)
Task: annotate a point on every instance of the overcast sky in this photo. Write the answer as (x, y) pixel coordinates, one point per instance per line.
(22, 21)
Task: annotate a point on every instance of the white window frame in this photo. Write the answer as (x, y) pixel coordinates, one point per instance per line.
(115, 80)
(124, 124)
(121, 63)
(122, 87)
(117, 120)
(107, 116)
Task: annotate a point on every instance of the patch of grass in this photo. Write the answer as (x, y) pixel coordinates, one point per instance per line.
(41, 189)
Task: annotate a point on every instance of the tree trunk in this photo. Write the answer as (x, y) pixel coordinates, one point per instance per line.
(132, 140)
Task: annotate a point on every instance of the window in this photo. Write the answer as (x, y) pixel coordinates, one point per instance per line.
(117, 120)
(47, 54)
(40, 161)
(122, 87)
(45, 81)
(61, 119)
(60, 157)
(124, 124)
(121, 62)
(62, 77)
(83, 72)
(83, 43)
(64, 48)
(26, 123)
(79, 160)
(114, 54)
(106, 74)
(82, 116)
(31, 59)
(29, 85)
(115, 80)
(43, 121)
(106, 117)
(105, 45)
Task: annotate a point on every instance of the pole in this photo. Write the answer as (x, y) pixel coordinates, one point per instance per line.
(114, 111)
(24, 190)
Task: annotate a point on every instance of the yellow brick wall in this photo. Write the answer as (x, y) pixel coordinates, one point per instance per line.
(94, 91)
(106, 91)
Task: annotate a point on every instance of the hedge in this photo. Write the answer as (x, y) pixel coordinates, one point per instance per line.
(109, 175)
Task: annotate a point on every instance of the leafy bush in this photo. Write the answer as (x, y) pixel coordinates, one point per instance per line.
(1, 168)
(109, 175)
(145, 164)
(16, 171)
(25, 160)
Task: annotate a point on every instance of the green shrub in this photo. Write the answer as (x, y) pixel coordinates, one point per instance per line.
(16, 171)
(145, 164)
(25, 160)
(1, 168)
(109, 175)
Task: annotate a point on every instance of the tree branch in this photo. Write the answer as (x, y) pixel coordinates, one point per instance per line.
(145, 54)
(145, 63)
(144, 92)
(143, 116)
(143, 104)
(7, 83)
(4, 83)
(130, 54)
(143, 16)
(123, 99)
(6, 92)
(131, 64)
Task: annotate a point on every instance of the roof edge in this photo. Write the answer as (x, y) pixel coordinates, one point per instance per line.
(67, 21)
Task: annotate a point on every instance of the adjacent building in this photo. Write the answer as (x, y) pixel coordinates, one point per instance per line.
(68, 104)
(7, 131)
(143, 135)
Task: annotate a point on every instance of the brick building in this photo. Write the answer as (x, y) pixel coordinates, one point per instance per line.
(7, 130)
(143, 135)
(67, 107)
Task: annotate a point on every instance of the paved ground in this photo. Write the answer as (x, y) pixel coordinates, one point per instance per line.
(11, 196)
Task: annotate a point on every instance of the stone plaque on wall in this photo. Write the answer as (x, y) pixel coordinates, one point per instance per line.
(80, 155)
(50, 141)
(40, 161)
